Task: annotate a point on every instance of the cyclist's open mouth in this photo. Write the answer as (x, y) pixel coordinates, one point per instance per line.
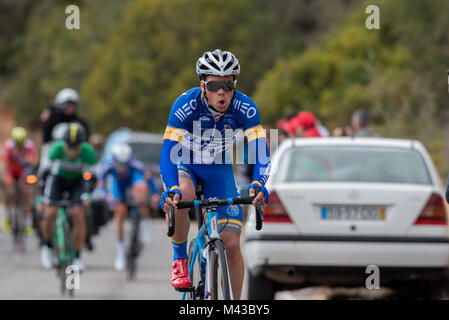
(222, 103)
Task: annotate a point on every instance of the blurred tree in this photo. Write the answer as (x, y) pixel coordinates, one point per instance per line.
(397, 72)
(131, 59)
(51, 57)
(14, 16)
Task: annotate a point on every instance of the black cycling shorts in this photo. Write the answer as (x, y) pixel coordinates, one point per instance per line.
(55, 187)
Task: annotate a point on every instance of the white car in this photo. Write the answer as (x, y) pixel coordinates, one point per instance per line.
(339, 205)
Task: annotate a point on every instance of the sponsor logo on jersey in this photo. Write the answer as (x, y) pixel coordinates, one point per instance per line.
(233, 210)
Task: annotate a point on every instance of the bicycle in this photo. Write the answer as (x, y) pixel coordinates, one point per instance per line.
(207, 261)
(16, 215)
(62, 240)
(63, 245)
(16, 218)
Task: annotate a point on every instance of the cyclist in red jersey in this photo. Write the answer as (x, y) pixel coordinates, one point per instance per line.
(19, 155)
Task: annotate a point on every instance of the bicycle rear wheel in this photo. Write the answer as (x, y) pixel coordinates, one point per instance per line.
(219, 275)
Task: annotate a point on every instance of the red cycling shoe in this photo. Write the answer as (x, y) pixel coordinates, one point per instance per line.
(180, 274)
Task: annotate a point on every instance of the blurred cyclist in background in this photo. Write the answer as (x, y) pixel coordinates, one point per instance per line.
(68, 160)
(127, 173)
(19, 156)
(64, 110)
(55, 120)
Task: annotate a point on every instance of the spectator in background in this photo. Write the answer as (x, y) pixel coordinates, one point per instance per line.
(360, 122)
(322, 129)
(282, 134)
(306, 125)
(342, 132)
(97, 141)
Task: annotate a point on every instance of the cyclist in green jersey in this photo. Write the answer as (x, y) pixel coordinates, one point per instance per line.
(68, 159)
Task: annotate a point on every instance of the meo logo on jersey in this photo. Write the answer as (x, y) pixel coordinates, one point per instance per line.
(233, 210)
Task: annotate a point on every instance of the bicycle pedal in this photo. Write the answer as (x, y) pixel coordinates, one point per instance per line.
(189, 289)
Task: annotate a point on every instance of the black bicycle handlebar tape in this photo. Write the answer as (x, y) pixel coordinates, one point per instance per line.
(171, 217)
(259, 211)
(214, 202)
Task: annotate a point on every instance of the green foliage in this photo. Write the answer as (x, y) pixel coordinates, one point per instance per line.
(52, 57)
(150, 58)
(397, 73)
(131, 59)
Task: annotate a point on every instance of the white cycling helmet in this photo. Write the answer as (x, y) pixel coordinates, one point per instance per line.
(217, 63)
(122, 153)
(66, 95)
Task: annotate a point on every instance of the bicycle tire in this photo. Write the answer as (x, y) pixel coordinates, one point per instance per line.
(198, 292)
(219, 266)
(62, 278)
(68, 254)
(17, 227)
(134, 249)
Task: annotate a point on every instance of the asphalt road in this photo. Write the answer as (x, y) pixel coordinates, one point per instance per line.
(23, 277)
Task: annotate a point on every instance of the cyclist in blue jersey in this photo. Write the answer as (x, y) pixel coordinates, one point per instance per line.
(203, 125)
(126, 172)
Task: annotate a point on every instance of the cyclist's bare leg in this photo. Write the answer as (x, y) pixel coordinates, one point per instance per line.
(9, 193)
(182, 220)
(79, 232)
(48, 222)
(120, 210)
(236, 264)
(140, 194)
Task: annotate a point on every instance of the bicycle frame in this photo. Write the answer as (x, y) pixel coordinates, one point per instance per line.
(209, 232)
(64, 255)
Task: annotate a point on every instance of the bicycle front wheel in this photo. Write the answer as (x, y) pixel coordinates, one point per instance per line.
(17, 226)
(195, 276)
(219, 274)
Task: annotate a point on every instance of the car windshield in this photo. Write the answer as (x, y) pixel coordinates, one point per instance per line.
(353, 164)
(147, 152)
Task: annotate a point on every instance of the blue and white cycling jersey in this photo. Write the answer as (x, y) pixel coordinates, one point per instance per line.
(197, 135)
(107, 167)
(119, 181)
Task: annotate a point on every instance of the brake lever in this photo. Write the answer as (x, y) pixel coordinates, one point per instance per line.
(259, 211)
(171, 217)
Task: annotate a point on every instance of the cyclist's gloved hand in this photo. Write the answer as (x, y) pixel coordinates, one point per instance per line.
(165, 195)
(262, 189)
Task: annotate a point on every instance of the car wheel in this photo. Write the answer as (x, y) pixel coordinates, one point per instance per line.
(260, 287)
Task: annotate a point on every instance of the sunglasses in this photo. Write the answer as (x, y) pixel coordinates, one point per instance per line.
(214, 86)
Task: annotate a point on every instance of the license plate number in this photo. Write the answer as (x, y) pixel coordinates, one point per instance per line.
(352, 213)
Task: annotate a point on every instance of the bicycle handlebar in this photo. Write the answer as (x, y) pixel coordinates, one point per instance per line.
(212, 203)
